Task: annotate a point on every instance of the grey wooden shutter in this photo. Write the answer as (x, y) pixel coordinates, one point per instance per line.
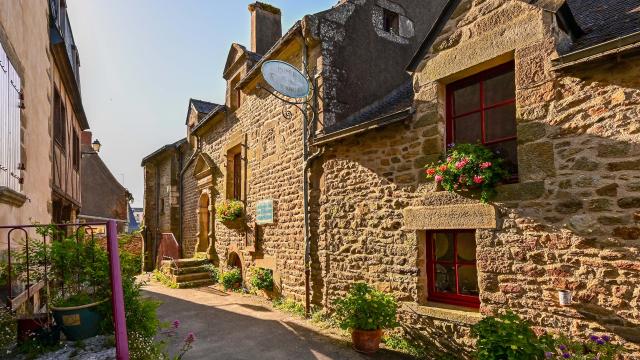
(10, 127)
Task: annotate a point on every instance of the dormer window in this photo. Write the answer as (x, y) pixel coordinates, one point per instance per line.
(391, 21)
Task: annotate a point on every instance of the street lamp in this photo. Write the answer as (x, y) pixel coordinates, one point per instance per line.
(96, 145)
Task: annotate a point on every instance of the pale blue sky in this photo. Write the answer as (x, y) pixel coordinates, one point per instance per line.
(142, 60)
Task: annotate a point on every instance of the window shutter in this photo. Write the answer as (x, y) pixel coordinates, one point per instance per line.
(10, 127)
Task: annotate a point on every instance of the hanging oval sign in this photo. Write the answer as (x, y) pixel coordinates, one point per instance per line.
(285, 78)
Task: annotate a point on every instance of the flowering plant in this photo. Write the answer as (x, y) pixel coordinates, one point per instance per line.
(594, 348)
(229, 210)
(469, 167)
(144, 347)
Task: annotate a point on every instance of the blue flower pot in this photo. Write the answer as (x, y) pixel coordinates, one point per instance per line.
(78, 322)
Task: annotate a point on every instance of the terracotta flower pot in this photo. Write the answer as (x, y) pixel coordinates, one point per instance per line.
(366, 341)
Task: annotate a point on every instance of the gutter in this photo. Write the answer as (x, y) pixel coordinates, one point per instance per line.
(627, 43)
(364, 127)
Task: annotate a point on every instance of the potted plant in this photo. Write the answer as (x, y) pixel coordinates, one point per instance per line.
(75, 306)
(27, 271)
(366, 312)
(231, 279)
(469, 167)
(262, 279)
(230, 212)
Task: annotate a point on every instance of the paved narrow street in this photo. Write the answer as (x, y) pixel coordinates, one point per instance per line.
(236, 327)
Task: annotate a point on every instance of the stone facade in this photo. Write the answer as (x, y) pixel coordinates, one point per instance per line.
(569, 223)
(272, 163)
(161, 197)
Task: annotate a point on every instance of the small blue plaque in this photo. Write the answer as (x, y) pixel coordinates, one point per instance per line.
(264, 212)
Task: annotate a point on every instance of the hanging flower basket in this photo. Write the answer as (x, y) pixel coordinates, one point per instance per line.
(230, 213)
(469, 167)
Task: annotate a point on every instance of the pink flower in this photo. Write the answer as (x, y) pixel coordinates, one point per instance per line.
(431, 172)
(190, 338)
(485, 165)
(449, 159)
(438, 178)
(478, 179)
(462, 163)
(462, 179)
(176, 324)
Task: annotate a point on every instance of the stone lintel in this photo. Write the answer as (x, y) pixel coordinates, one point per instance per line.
(464, 216)
(13, 198)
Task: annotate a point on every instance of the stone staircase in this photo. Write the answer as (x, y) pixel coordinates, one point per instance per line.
(188, 273)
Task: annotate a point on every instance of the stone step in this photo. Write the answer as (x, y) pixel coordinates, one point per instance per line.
(190, 270)
(185, 263)
(191, 277)
(195, 283)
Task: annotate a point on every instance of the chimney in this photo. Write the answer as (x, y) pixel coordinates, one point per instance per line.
(266, 26)
(85, 138)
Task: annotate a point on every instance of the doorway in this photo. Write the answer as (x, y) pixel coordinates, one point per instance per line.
(204, 223)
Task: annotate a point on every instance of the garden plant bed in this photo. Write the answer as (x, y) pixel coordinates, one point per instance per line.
(95, 348)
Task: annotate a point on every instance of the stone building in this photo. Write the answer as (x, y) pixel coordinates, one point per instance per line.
(552, 85)
(250, 148)
(42, 114)
(103, 197)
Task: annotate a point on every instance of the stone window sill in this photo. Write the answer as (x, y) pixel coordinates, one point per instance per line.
(11, 197)
(446, 312)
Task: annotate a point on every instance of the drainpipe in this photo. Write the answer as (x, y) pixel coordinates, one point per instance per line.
(308, 161)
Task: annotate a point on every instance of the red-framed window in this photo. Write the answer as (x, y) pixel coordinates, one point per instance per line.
(452, 274)
(482, 109)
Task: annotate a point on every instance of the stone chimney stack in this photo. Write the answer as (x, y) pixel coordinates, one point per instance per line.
(266, 26)
(85, 138)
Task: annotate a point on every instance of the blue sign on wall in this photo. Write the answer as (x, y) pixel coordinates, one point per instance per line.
(264, 212)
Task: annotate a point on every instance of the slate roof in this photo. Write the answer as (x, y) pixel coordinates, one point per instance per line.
(600, 20)
(604, 20)
(216, 109)
(160, 151)
(203, 106)
(399, 99)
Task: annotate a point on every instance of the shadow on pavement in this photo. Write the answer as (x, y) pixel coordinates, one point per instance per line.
(226, 335)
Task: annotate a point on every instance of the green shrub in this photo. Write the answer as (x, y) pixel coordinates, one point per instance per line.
(229, 210)
(506, 337)
(214, 272)
(405, 345)
(262, 279)
(289, 305)
(164, 279)
(365, 308)
(8, 328)
(231, 278)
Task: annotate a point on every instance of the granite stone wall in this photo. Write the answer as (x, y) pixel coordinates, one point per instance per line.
(570, 222)
(272, 169)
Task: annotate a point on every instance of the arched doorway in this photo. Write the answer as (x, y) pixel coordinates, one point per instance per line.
(234, 261)
(204, 223)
